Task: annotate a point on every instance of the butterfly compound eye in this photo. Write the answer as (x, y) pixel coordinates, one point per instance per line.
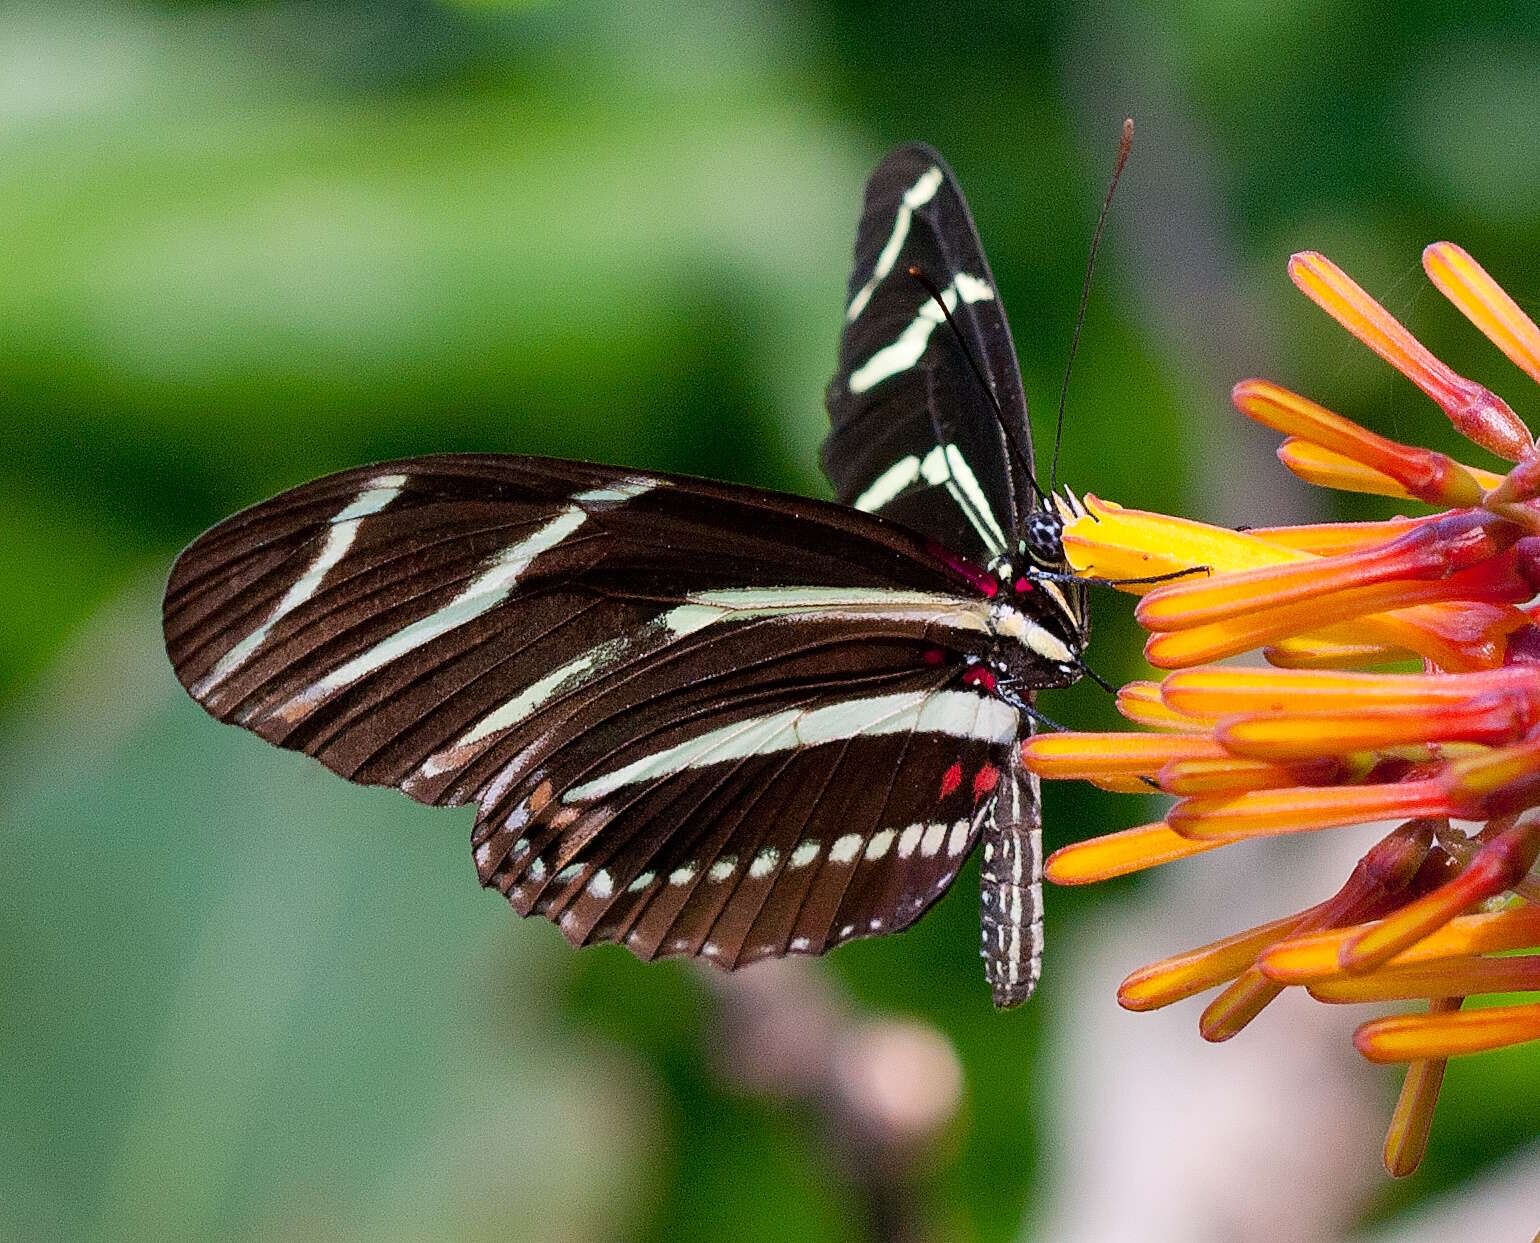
(1045, 538)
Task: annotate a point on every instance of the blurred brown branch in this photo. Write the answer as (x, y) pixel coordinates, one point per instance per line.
(883, 1092)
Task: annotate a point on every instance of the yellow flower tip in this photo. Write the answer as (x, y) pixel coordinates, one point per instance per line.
(1177, 649)
(1233, 774)
(1141, 703)
(1121, 785)
(1304, 809)
(1313, 957)
(1198, 970)
(1321, 654)
(1154, 542)
(1327, 469)
(1496, 781)
(1293, 737)
(1117, 543)
(1229, 1013)
(1098, 508)
(1119, 854)
(1406, 1139)
(1448, 977)
(1416, 1037)
(1406, 1142)
(1184, 604)
(1417, 472)
(1306, 958)
(1326, 539)
(1083, 755)
(1213, 692)
(1482, 301)
(1477, 413)
(1513, 693)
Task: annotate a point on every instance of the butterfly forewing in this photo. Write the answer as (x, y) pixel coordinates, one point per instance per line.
(929, 426)
(914, 434)
(695, 718)
(381, 595)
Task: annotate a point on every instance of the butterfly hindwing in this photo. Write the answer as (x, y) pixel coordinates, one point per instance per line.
(914, 435)
(628, 674)
(757, 847)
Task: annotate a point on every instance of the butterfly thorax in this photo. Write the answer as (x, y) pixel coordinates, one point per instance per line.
(1032, 649)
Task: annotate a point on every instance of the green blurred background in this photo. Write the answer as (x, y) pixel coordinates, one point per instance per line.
(244, 244)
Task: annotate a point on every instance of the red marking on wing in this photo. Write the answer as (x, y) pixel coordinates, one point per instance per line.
(951, 779)
(933, 656)
(981, 581)
(977, 675)
(984, 781)
(1023, 585)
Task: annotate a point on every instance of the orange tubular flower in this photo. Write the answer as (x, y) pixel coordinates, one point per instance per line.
(1404, 686)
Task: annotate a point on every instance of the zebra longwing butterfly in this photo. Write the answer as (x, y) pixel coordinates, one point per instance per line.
(696, 719)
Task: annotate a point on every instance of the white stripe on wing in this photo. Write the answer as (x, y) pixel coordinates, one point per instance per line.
(958, 714)
(484, 593)
(915, 197)
(379, 493)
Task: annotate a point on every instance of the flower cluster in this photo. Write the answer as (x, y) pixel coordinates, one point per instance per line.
(1402, 684)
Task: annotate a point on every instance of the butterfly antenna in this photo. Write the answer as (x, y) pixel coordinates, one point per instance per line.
(978, 374)
(1085, 293)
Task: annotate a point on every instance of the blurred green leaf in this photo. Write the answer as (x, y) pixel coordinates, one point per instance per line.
(245, 1000)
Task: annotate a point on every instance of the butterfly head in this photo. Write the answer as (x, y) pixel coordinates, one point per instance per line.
(1046, 569)
(1038, 616)
(1043, 540)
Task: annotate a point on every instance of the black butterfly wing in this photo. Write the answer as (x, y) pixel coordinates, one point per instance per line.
(741, 840)
(914, 435)
(695, 718)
